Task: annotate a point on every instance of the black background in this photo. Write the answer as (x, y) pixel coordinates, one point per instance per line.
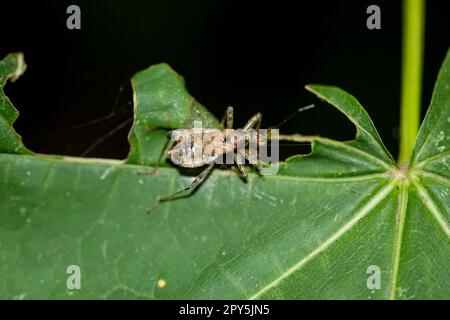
(254, 56)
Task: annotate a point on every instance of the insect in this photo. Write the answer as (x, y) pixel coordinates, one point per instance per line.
(186, 150)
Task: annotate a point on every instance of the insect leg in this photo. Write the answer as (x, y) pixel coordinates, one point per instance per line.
(227, 118)
(256, 119)
(256, 164)
(167, 146)
(241, 168)
(251, 150)
(258, 124)
(230, 117)
(196, 182)
(108, 135)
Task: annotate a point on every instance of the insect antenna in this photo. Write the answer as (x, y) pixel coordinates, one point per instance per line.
(117, 109)
(293, 114)
(110, 133)
(77, 139)
(284, 137)
(296, 140)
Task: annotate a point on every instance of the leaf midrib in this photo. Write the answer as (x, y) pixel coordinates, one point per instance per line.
(399, 226)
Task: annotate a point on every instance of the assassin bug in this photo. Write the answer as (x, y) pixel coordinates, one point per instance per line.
(185, 152)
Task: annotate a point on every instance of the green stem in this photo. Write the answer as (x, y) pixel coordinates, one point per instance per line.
(413, 36)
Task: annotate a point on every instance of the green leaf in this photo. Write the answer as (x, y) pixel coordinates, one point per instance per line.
(161, 102)
(433, 142)
(428, 215)
(312, 231)
(366, 154)
(11, 68)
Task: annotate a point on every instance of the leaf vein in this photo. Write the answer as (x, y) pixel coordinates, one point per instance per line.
(372, 203)
(431, 206)
(435, 177)
(400, 224)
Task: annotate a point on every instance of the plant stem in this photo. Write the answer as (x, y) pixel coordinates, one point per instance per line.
(412, 56)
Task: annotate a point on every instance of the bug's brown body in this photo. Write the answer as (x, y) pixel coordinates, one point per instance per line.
(186, 151)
